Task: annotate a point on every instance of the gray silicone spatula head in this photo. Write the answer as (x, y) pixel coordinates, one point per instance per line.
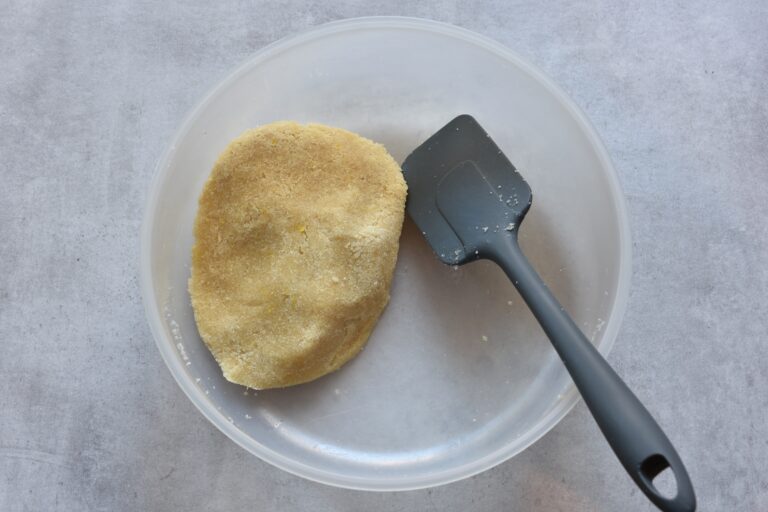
(462, 191)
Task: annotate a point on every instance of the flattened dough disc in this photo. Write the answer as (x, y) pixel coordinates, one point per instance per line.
(296, 238)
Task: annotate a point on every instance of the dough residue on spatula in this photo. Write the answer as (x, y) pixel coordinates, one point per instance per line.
(296, 238)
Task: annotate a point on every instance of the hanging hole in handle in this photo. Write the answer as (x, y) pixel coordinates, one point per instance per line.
(659, 475)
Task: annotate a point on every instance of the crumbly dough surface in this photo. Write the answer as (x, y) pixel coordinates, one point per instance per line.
(296, 238)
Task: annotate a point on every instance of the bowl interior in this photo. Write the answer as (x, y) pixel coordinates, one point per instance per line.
(457, 375)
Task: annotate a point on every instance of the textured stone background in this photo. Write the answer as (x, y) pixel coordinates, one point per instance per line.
(91, 91)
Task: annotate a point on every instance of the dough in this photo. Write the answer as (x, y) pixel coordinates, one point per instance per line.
(296, 238)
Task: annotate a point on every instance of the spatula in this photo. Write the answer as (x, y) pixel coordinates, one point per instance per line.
(469, 201)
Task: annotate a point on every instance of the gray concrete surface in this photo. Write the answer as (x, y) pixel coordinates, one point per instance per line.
(90, 92)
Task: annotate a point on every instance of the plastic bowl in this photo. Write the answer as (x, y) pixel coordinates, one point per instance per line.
(457, 376)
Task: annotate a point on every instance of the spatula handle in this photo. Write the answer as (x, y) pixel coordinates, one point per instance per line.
(638, 441)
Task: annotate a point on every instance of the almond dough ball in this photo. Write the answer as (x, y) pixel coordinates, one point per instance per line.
(296, 239)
